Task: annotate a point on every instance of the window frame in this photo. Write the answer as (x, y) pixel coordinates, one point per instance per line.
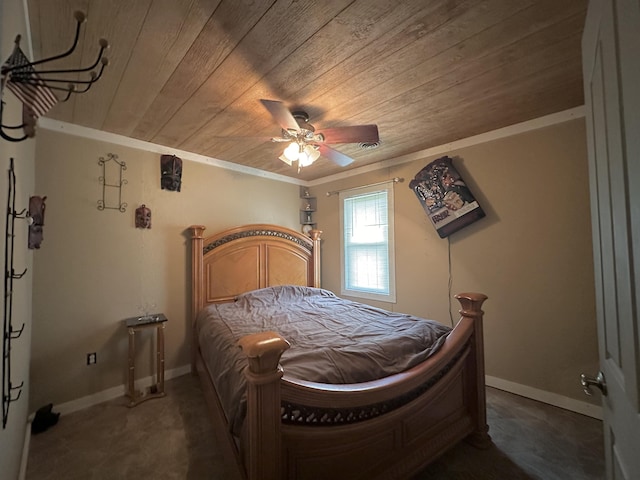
(344, 195)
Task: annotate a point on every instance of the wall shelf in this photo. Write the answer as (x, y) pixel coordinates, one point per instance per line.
(10, 392)
(308, 207)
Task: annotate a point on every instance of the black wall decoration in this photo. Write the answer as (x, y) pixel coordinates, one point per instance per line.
(34, 83)
(445, 197)
(170, 173)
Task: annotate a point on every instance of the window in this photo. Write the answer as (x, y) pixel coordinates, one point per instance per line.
(367, 243)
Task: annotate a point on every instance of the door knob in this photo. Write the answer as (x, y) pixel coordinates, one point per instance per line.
(588, 382)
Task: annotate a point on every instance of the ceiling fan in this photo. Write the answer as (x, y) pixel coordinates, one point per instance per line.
(306, 144)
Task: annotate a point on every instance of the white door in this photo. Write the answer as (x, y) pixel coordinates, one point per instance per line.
(611, 67)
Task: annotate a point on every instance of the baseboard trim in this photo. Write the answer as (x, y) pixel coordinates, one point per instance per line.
(583, 408)
(115, 392)
(22, 474)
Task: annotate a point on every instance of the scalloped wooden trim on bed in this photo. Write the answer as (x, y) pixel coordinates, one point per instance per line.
(385, 429)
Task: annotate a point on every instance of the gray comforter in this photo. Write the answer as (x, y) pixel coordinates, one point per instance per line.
(333, 340)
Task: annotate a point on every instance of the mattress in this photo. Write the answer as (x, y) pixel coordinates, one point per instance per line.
(333, 340)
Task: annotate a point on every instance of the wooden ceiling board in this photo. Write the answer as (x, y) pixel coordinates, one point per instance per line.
(475, 94)
(445, 58)
(224, 30)
(188, 74)
(361, 87)
(329, 47)
(384, 52)
(499, 86)
(407, 68)
(286, 29)
(53, 27)
(420, 75)
(120, 23)
(169, 30)
(480, 112)
(478, 78)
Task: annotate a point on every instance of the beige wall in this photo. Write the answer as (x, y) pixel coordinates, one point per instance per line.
(531, 254)
(95, 268)
(12, 22)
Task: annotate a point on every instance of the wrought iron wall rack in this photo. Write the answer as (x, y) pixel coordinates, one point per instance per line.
(114, 184)
(10, 392)
(35, 87)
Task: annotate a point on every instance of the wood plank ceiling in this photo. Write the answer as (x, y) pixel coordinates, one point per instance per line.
(189, 74)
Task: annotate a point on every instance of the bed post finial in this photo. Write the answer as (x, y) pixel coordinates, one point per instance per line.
(197, 231)
(263, 350)
(471, 304)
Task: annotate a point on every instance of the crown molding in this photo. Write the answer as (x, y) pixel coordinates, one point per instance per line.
(530, 125)
(116, 139)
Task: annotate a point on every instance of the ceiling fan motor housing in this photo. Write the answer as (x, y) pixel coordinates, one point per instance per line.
(303, 120)
(306, 129)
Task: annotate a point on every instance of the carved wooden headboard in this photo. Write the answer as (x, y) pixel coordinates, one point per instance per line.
(249, 257)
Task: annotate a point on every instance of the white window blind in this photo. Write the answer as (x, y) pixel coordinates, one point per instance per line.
(367, 241)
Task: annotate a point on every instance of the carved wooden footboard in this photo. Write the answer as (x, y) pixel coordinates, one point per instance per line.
(386, 429)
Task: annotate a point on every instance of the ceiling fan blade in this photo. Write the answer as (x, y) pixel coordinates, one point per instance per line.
(335, 156)
(281, 114)
(352, 134)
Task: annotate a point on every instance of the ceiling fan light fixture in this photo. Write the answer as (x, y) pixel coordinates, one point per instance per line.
(306, 145)
(309, 154)
(304, 160)
(304, 154)
(292, 152)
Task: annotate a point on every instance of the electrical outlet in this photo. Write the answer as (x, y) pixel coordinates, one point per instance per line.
(92, 358)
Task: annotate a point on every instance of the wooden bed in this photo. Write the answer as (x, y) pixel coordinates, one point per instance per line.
(409, 419)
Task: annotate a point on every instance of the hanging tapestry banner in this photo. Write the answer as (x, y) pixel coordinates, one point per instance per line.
(445, 197)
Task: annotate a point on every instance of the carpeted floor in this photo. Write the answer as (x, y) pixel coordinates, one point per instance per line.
(171, 438)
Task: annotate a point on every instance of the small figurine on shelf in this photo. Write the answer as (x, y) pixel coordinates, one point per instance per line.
(308, 217)
(308, 207)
